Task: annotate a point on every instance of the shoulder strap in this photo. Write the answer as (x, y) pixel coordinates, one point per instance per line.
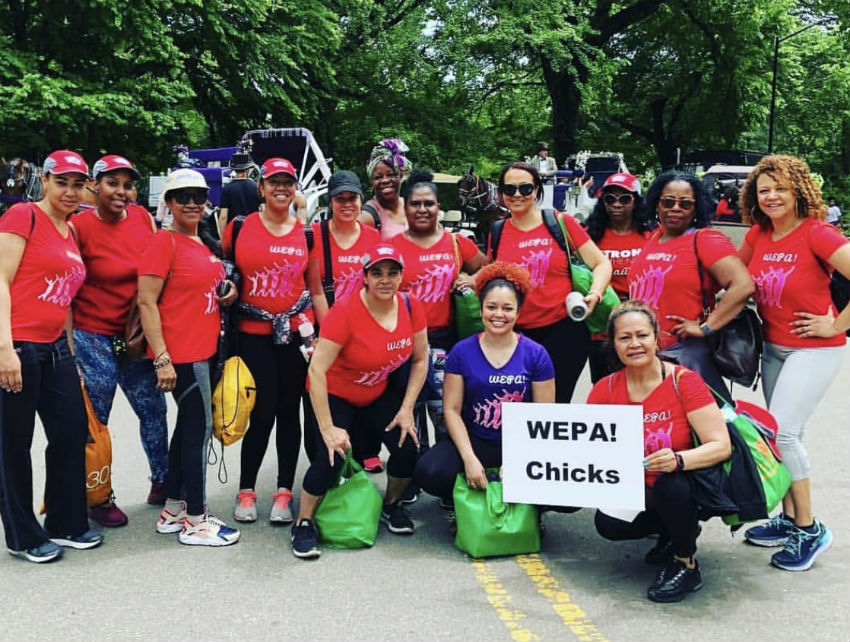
(556, 229)
(706, 308)
(237, 226)
(375, 216)
(457, 253)
(32, 221)
(173, 254)
(308, 236)
(325, 227)
(495, 236)
(406, 302)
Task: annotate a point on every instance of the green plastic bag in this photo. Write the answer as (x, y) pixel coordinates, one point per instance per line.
(467, 313)
(487, 526)
(349, 513)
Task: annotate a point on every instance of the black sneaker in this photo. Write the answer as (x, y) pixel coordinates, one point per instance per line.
(661, 553)
(674, 582)
(304, 539)
(44, 552)
(89, 539)
(397, 519)
(411, 493)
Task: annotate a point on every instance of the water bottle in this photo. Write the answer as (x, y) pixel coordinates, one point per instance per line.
(576, 307)
(308, 338)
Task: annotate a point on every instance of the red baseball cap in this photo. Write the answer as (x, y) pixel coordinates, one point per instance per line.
(627, 181)
(382, 252)
(277, 166)
(65, 161)
(111, 163)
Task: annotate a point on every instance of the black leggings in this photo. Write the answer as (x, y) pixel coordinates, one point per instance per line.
(52, 389)
(368, 420)
(568, 345)
(187, 451)
(279, 373)
(670, 511)
(438, 468)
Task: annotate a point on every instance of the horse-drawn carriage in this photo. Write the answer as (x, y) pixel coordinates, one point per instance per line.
(20, 180)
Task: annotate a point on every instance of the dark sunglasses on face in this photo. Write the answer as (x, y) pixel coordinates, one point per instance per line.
(622, 199)
(684, 203)
(509, 189)
(183, 198)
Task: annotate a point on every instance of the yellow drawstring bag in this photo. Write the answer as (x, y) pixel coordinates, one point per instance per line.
(98, 458)
(232, 401)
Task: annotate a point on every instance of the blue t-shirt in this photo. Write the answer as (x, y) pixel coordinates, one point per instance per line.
(486, 387)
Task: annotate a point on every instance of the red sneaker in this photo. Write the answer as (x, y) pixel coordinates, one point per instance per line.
(373, 465)
(108, 514)
(158, 494)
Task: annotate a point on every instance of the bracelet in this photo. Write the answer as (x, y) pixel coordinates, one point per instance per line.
(706, 330)
(598, 296)
(680, 461)
(160, 362)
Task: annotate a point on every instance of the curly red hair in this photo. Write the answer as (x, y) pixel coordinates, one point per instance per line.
(514, 274)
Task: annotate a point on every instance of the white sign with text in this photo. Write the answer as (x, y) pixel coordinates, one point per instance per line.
(573, 455)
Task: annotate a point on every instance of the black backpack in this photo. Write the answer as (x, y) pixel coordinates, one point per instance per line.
(548, 219)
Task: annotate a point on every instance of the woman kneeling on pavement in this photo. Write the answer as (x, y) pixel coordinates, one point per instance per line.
(179, 285)
(474, 388)
(675, 401)
(364, 338)
(111, 237)
(40, 272)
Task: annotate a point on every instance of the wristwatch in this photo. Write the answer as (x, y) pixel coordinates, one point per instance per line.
(706, 330)
(680, 461)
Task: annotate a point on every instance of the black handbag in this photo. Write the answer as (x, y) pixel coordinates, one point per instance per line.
(736, 347)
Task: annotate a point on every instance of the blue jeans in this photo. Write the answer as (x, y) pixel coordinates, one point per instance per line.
(103, 371)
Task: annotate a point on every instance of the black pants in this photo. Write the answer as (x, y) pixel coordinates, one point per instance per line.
(670, 511)
(279, 373)
(568, 344)
(438, 468)
(51, 387)
(359, 422)
(187, 462)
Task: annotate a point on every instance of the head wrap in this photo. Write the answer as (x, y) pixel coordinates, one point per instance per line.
(391, 152)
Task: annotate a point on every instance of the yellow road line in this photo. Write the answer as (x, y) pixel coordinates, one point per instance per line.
(501, 602)
(569, 612)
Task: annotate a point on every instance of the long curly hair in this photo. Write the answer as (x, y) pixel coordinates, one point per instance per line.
(703, 207)
(788, 169)
(503, 274)
(597, 222)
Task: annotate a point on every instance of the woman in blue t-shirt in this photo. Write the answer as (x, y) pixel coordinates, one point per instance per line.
(482, 371)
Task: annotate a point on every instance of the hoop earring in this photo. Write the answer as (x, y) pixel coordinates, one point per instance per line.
(753, 212)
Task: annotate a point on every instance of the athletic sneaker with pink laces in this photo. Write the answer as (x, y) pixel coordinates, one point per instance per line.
(281, 512)
(246, 506)
(210, 531)
(171, 522)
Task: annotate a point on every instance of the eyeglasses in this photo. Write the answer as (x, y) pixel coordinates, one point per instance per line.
(509, 189)
(183, 198)
(669, 202)
(622, 199)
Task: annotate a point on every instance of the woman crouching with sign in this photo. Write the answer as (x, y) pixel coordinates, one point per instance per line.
(675, 402)
(482, 371)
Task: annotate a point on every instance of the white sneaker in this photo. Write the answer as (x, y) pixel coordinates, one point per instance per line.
(281, 512)
(246, 506)
(169, 522)
(210, 531)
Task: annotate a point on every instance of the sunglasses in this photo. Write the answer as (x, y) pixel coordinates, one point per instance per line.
(183, 198)
(509, 189)
(670, 202)
(622, 199)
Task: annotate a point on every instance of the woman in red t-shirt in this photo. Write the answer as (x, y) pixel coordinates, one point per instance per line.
(364, 338)
(111, 238)
(181, 285)
(275, 320)
(791, 251)
(526, 241)
(675, 401)
(666, 275)
(40, 273)
(619, 225)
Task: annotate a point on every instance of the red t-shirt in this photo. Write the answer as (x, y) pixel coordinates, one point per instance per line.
(430, 272)
(346, 265)
(621, 250)
(790, 276)
(369, 351)
(272, 269)
(665, 419)
(665, 276)
(48, 276)
(188, 305)
(539, 253)
(111, 253)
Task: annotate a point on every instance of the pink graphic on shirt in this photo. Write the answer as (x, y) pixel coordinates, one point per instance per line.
(347, 282)
(212, 300)
(374, 377)
(488, 414)
(655, 440)
(62, 287)
(648, 285)
(769, 286)
(537, 264)
(433, 284)
(276, 281)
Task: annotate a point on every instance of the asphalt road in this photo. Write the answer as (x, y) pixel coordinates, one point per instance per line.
(144, 586)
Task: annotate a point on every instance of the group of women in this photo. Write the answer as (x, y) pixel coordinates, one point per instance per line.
(377, 278)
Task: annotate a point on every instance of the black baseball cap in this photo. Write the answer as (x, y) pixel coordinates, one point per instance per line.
(344, 181)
